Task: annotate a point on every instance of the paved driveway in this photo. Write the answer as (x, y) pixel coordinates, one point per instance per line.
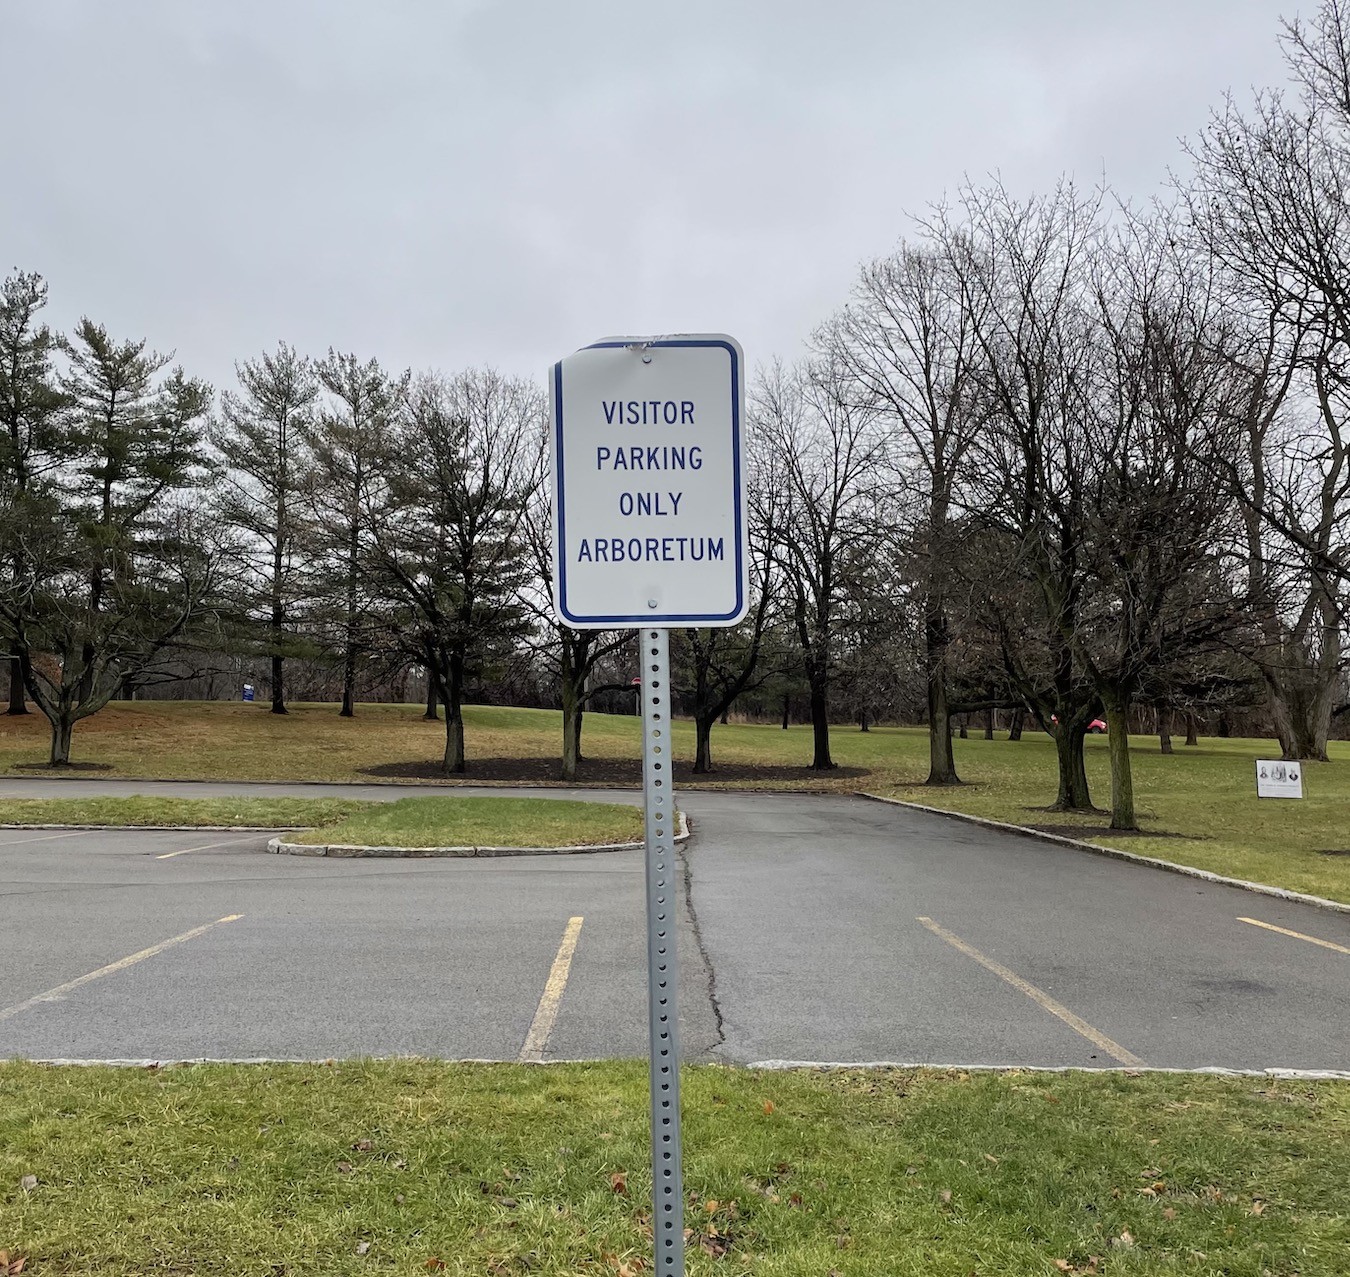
(815, 928)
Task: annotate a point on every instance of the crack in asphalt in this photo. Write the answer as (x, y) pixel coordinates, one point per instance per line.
(682, 850)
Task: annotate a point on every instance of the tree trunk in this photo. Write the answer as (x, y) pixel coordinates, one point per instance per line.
(863, 724)
(1165, 729)
(17, 703)
(941, 760)
(703, 725)
(1015, 723)
(432, 715)
(278, 696)
(1302, 713)
(787, 709)
(348, 709)
(726, 716)
(1074, 794)
(820, 726)
(455, 763)
(989, 723)
(1192, 728)
(1122, 777)
(571, 709)
(62, 729)
(965, 729)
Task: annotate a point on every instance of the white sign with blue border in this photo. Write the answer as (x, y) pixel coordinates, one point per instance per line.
(649, 520)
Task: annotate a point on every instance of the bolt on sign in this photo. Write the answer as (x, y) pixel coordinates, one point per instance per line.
(649, 532)
(649, 483)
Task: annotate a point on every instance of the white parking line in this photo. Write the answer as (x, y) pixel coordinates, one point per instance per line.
(51, 995)
(1297, 935)
(206, 846)
(73, 833)
(1038, 996)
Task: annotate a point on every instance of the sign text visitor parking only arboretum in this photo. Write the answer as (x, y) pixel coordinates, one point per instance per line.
(648, 483)
(649, 532)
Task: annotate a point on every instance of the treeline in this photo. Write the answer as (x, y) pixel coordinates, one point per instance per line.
(1056, 456)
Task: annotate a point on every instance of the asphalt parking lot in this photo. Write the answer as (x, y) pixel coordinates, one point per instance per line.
(814, 929)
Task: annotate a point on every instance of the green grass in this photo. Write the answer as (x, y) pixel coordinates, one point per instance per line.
(407, 822)
(1206, 794)
(482, 822)
(260, 813)
(409, 1167)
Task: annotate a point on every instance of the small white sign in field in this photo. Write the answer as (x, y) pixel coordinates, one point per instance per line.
(649, 483)
(1278, 779)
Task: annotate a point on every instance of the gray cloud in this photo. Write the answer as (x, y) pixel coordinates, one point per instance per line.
(445, 183)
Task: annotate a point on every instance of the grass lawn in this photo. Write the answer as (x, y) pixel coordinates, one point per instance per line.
(261, 813)
(1206, 794)
(414, 1167)
(409, 822)
(483, 822)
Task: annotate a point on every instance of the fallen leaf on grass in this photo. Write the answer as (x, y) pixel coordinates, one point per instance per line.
(1124, 1241)
(768, 1108)
(714, 1246)
(362, 1146)
(435, 1264)
(1169, 1212)
(630, 1266)
(362, 1248)
(618, 1182)
(1084, 1270)
(945, 1196)
(989, 1157)
(1258, 1206)
(28, 1183)
(11, 1267)
(344, 1168)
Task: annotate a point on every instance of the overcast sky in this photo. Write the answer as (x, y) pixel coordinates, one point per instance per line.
(448, 182)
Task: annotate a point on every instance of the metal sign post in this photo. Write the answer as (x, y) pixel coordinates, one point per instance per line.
(649, 531)
(662, 969)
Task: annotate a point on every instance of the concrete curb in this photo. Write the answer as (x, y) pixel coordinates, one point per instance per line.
(768, 1066)
(1210, 1070)
(1100, 849)
(205, 829)
(344, 851)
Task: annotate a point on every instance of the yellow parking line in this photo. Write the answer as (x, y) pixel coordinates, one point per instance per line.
(1041, 999)
(120, 965)
(1298, 935)
(547, 1012)
(206, 846)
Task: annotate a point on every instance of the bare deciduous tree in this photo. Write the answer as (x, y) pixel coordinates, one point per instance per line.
(820, 458)
(906, 343)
